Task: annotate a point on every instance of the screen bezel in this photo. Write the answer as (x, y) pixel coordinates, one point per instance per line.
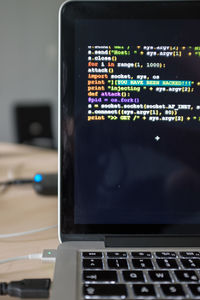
(70, 12)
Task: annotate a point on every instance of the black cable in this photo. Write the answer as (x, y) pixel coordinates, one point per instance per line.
(17, 181)
(27, 288)
(3, 288)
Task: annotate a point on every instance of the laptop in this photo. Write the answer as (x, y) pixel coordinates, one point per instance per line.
(129, 167)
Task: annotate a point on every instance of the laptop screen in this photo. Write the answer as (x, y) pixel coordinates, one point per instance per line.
(135, 119)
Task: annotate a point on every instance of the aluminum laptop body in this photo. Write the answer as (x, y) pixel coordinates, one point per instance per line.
(129, 144)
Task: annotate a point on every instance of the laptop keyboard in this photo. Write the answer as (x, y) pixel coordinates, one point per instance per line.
(140, 275)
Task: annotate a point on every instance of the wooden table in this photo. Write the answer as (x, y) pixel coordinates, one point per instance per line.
(22, 209)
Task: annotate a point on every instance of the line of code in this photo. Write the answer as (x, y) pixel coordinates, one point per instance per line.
(143, 83)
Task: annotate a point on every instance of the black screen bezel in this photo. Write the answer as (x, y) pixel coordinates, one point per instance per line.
(71, 12)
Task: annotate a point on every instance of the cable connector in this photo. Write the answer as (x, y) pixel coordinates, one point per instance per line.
(48, 255)
(27, 288)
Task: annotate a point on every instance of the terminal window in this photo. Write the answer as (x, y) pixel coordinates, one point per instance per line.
(123, 80)
(137, 112)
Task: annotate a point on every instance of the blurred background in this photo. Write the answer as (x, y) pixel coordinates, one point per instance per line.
(28, 71)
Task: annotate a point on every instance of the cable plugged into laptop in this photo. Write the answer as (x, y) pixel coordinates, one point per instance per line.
(27, 288)
(48, 255)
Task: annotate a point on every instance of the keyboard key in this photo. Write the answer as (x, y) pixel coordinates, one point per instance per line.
(186, 276)
(117, 263)
(104, 290)
(166, 254)
(92, 264)
(191, 263)
(142, 264)
(172, 290)
(195, 289)
(167, 263)
(160, 276)
(133, 276)
(141, 254)
(108, 276)
(92, 254)
(190, 254)
(144, 290)
(116, 254)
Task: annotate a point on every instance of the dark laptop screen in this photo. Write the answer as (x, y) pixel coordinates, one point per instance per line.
(137, 116)
(136, 121)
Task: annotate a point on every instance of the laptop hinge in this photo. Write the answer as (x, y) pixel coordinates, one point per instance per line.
(152, 241)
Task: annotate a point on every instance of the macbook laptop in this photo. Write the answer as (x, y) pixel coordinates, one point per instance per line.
(129, 157)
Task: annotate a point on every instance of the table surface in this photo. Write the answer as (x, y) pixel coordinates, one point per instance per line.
(22, 209)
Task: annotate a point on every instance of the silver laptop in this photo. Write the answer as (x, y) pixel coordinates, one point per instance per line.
(129, 190)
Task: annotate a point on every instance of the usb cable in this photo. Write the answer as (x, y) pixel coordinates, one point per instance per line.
(27, 288)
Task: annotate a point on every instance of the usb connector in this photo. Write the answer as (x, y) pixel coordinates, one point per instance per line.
(27, 288)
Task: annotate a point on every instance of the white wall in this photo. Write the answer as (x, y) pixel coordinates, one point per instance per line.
(28, 57)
